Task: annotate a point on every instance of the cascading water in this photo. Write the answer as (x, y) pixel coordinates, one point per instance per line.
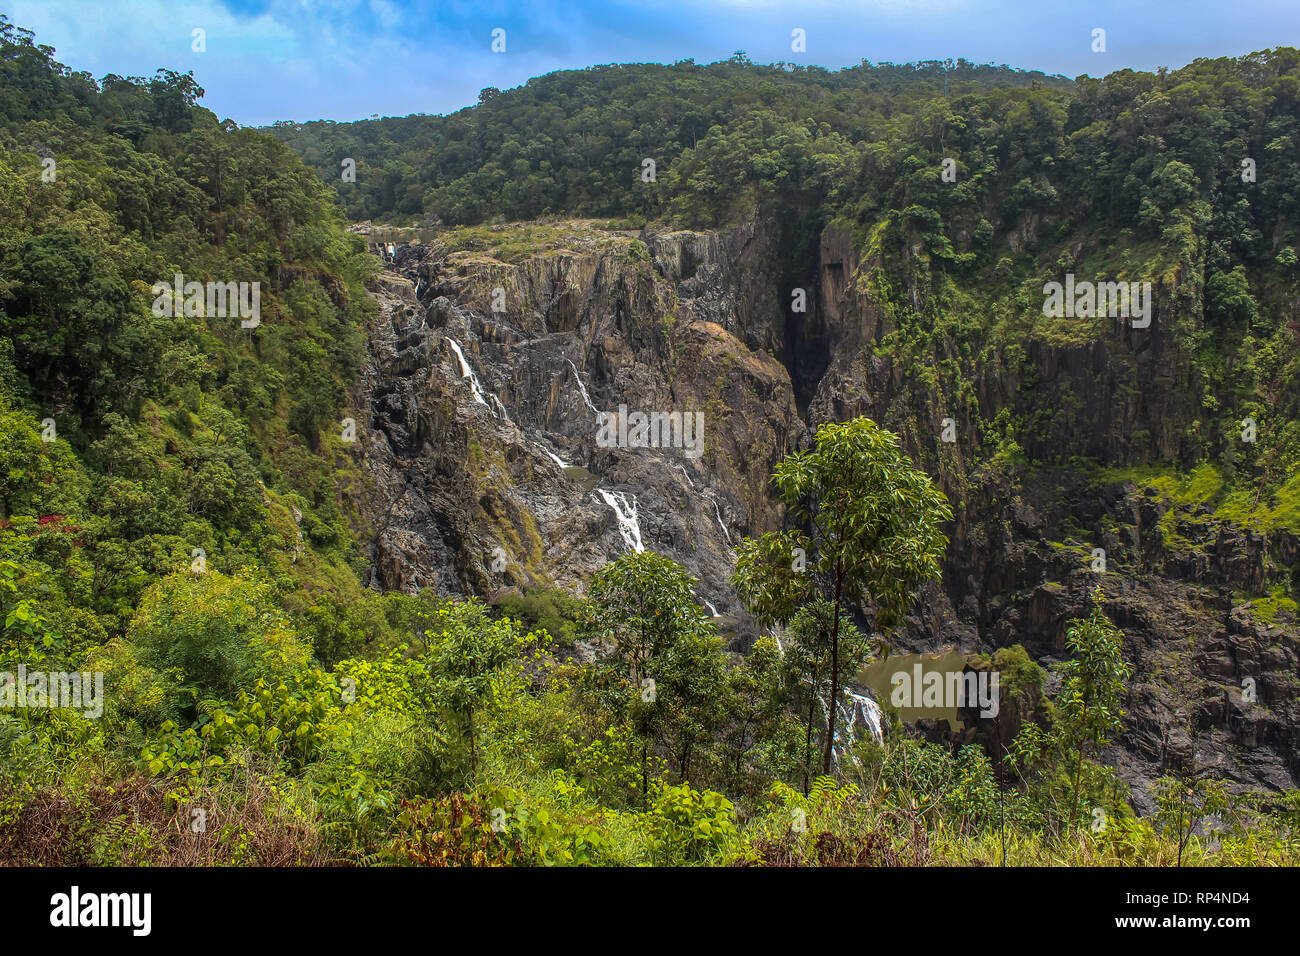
(712, 498)
(718, 512)
(861, 710)
(625, 512)
(583, 389)
(870, 711)
(860, 706)
(495, 407)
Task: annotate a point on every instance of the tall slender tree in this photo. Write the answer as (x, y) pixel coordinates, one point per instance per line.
(868, 535)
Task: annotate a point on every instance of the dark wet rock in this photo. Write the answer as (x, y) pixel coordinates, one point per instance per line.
(705, 324)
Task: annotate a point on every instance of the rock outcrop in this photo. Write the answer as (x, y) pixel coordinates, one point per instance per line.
(497, 479)
(488, 374)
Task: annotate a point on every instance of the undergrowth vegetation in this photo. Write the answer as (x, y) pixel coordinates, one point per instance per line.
(180, 519)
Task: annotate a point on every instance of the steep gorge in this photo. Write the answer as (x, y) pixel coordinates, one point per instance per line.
(583, 329)
(701, 321)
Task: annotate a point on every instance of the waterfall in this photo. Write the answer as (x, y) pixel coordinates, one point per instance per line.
(717, 511)
(625, 511)
(709, 605)
(495, 407)
(560, 462)
(862, 709)
(708, 494)
(870, 711)
(583, 388)
(861, 706)
(466, 371)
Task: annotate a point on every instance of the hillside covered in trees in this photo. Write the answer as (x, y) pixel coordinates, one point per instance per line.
(573, 143)
(273, 537)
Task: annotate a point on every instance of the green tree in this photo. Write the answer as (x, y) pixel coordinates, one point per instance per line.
(761, 692)
(661, 660)
(468, 657)
(869, 536)
(216, 633)
(1088, 708)
(1183, 801)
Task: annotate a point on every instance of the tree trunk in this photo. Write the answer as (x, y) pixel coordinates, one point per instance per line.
(807, 746)
(1078, 770)
(835, 673)
(1002, 789)
(1182, 840)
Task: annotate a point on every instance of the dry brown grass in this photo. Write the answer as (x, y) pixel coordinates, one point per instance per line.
(132, 821)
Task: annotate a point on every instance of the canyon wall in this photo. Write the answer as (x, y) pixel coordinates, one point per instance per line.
(487, 373)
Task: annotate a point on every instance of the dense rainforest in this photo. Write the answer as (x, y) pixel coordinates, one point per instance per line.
(345, 609)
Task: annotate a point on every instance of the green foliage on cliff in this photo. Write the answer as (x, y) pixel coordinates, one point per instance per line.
(178, 507)
(966, 189)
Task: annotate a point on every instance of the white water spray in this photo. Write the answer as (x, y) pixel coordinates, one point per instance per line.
(869, 710)
(717, 511)
(495, 407)
(583, 388)
(862, 711)
(625, 512)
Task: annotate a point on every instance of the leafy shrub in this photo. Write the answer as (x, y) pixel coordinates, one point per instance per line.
(690, 826)
(214, 635)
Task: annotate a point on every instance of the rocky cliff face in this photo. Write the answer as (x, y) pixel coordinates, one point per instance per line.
(489, 367)
(1216, 677)
(485, 385)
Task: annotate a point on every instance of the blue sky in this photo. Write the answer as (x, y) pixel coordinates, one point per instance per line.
(348, 59)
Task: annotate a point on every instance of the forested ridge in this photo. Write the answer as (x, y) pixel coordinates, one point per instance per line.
(181, 504)
(1188, 177)
(573, 142)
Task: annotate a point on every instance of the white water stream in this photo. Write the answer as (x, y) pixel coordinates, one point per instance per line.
(625, 511)
(583, 388)
(495, 407)
(862, 710)
(870, 713)
(718, 511)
